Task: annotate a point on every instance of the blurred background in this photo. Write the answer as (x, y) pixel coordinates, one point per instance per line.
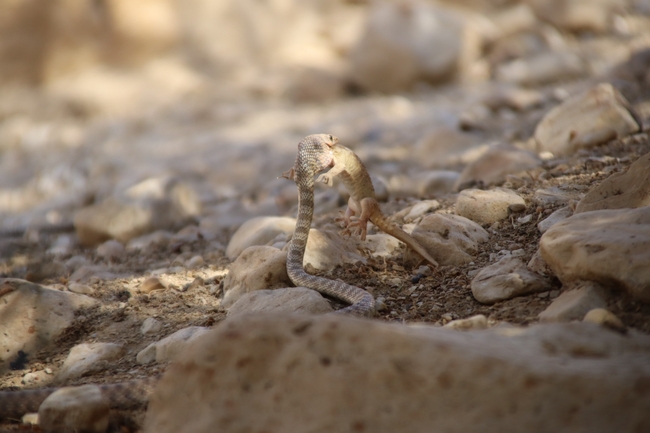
(202, 102)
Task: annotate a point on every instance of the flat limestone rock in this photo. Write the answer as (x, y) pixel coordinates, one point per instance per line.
(86, 358)
(611, 247)
(506, 279)
(487, 207)
(290, 300)
(339, 374)
(32, 317)
(258, 231)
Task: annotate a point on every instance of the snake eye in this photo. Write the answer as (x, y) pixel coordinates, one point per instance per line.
(331, 138)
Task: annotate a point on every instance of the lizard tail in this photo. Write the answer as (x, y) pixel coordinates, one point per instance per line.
(392, 229)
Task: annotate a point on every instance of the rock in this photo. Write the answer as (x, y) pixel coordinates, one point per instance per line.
(151, 326)
(194, 262)
(75, 409)
(256, 371)
(513, 97)
(139, 212)
(607, 246)
(170, 347)
(542, 68)
(629, 189)
(412, 41)
(327, 250)
(151, 284)
(586, 120)
(257, 268)
(420, 208)
(80, 289)
(538, 265)
(111, 250)
(33, 317)
(382, 245)
(437, 183)
(506, 279)
(258, 231)
(576, 15)
(605, 318)
(475, 322)
(574, 304)
(494, 165)
(144, 242)
(553, 196)
(285, 301)
(450, 239)
(87, 358)
(486, 207)
(554, 218)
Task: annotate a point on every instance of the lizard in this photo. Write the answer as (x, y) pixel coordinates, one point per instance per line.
(132, 394)
(363, 202)
(314, 155)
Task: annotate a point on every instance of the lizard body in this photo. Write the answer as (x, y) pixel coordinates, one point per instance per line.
(350, 169)
(314, 155)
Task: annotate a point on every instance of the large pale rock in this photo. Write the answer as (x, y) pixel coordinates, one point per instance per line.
(585, 120)
(494, 165)
(611, 247)
(86, 358)
(327, 249)
(257, 268)
(255, 373)
(506, 279)
(258, 231)
(412, 41)
(554, 218)
(171, 346)
(487, 207)
(574, 304)
(450, 239)
(627, 189)
(290, 300)
(32, 317)
(75, 409)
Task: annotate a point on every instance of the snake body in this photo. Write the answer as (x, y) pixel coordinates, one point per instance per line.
(314, 155)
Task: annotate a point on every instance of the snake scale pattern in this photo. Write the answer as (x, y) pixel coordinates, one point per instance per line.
(315, 155)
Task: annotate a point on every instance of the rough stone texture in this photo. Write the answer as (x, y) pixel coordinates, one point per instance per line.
(506, 279)
(290, 300)
(486, 207)
(258, 231)
(382, 245)
(554, 218)
(171, 346)
(628, 189)
(475, 322)
(327, 249)
(607, 246)
(33, 316)
(75, 409)
(256, 373)
(450, 239)
(257, 268)
(494, 165)
(574, 304)
(585, 120)
(86, 358)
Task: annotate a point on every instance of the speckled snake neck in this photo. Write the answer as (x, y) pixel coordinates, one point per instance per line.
(314, 155)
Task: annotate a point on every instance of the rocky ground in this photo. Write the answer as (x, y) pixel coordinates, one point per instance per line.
(531, 189)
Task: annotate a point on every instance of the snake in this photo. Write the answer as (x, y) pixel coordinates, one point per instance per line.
(315, 155)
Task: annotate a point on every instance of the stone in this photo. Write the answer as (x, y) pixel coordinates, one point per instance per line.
(80, 289)
(195, 262)
(475, 322)
(404, 43)
(574, 304)
(576, 15)
(486, 207)
(605, 318)
(382, 245)
(151, 325)
(258, 231)
(554, 218)
(542, 68)
(493, 166)
(437, 183)
(611, 247)
(111, 250)
(256, 371)
(151, 284)
(327, 249)
(286, 301)
(513, 97)
(628, 189)
(450, 239)
(33, 317)
(170, 347)
(257, 268)
(506, 279)
(144, 242)
(75, 409)
(88, 358)
(419, 209)
(553, 196)
(586, 120)
(538, 265)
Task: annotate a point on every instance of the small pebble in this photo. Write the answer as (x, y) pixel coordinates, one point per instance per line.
(151, 284)
(194, 262)
(605, 318)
